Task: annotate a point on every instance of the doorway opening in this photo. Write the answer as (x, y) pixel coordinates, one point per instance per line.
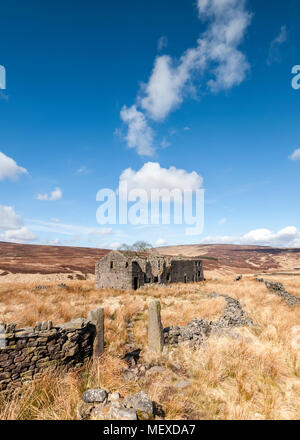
(135, 283)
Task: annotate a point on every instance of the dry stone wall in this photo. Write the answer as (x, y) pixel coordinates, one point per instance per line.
(279, 290)
(26, 352)
(198, 329)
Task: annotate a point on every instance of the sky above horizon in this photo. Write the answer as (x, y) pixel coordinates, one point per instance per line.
(188, 94)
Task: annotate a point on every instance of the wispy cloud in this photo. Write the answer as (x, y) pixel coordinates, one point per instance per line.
(165, 143)
(295, 155)
(215, 58)
(162, 43)
(67, 229)
(55, 242)
(274, 51)
(222, 221)
(83, 170)
(103, 231)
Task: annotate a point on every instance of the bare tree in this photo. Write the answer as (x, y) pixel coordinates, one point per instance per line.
(141, 246)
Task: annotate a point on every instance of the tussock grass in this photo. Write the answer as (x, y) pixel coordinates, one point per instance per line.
(249, 373)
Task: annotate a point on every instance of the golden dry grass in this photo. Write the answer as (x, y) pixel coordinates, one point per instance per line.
(251, 373)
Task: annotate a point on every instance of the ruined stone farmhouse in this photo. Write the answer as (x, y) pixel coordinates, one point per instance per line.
(132, 270)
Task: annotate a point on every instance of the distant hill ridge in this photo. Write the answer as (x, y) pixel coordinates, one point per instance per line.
(28, 258)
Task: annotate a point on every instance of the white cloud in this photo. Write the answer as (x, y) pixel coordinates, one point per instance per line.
(286, 237)
(153, 176)
(55, 220)
(9, 219)
(160, 242)
(162, 43)
(114, 245)
(274, 52)
(295, 155)
(56, 194)
(215, 55)
(222, 221)
(9, 169)
(139, 134)
(13, 227)
(22, 235)
(164, 91)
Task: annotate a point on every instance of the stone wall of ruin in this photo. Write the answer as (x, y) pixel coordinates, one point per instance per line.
(118, 277)
(188, 268)
(118, 272)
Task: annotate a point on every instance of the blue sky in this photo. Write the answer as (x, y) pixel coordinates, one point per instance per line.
(95, 88)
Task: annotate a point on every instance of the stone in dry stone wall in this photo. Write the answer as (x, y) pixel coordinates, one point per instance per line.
(279, 290)
(199, 329)
(233, 314)
(141, 403)
(26, 352)
(196, 331)
(98, 404)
